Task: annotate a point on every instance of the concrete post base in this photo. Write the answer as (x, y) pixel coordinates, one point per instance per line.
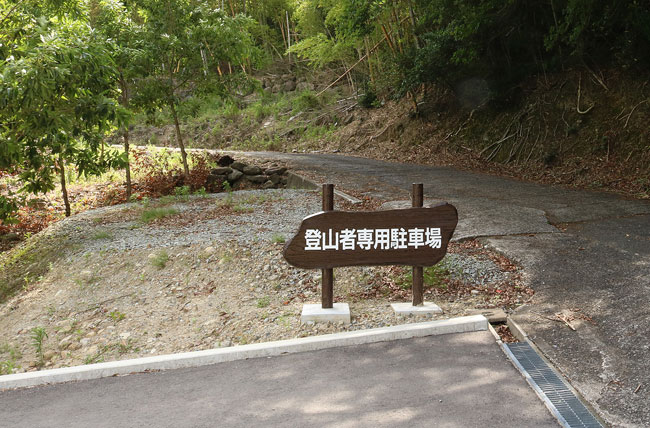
(409, 309)
(312, 313)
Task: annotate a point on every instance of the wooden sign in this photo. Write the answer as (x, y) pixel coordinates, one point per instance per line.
(412, 236)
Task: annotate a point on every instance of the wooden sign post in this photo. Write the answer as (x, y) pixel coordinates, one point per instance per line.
(416, 237)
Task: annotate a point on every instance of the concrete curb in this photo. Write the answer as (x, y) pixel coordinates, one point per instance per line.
(255, 350)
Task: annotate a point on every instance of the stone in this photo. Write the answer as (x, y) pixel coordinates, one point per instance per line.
(85, 341)
(209, 250)
(268, 185)
(74, 346)
(275, 179)
(235, 175)
(257, 178)
(276, 170)
(125, 335)
(289, 86)
(276, 88)
(48, 355)
(239, 166)
(409, 309)
(65, 342)
(252, 170)
(312, 313)
(222, 170)
(305, 86)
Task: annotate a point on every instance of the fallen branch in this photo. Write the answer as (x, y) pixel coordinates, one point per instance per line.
(578, 102)
(358, 62)
(630, 115)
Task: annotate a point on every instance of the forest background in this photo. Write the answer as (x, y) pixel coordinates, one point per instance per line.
(554, 90)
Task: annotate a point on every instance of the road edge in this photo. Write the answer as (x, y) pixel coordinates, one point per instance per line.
(254, 350)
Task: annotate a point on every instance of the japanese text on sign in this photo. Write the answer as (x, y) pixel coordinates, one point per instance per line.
(372, 239)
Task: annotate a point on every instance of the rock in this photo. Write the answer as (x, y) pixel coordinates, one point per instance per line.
(252, 170)
(276, 88)
(48, 355)
(209, 251)
(85, 341)
(74, 346)
(239, 166)
(284, 181)
(91, 351)
(65, 342)
(235, 175)
(275, 179)
(305, 86)
(276, 170)
(257, 178)
(85, 275)
(225, 161)
(125, 335)
(289, 86)
(64, 355)
(268, 185)
(222, 170)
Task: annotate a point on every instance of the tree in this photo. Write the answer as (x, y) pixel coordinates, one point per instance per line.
(114, 20)
(186, 43)
(56, 84)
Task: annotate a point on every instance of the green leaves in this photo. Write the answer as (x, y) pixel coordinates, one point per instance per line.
(56, 91)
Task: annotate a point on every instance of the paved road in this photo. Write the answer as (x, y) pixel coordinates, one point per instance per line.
(581, 250)
(454, 380)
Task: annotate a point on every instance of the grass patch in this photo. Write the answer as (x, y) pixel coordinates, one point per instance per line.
(278, 239)
(7, 366)
(153, 214)
(32, 259)
(103, 234)
(159, 260)
(263, 302)
(433, 276)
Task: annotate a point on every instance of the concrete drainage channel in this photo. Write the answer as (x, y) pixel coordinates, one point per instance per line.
(558, 396)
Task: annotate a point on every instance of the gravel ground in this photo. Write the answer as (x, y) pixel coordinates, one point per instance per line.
(208, 274)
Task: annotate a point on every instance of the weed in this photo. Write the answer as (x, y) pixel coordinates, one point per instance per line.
(150, 215)
(9, 365)
(263, 302)
(201, 191)
(116, 315)
(160, 260)
(38, 335)
(226, 257)
(242, 209)
(182, 191)
(278, 239)
(103, 234)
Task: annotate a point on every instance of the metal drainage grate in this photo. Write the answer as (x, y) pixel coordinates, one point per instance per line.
(562, 402)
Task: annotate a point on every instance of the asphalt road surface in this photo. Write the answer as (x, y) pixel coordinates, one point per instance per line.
(454, 380)
(586, 255)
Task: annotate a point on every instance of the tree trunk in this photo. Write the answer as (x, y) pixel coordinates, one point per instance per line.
(179, 137)
(125, 103)
(64, 189)
(129, 188)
